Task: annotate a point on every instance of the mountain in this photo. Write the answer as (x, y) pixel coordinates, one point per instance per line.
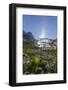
(28, 36)
(28, 40)
(47, 43)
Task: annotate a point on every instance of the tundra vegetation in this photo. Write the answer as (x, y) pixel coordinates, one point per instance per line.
(37, 60)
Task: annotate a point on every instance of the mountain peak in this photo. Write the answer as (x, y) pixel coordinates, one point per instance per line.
(28, 36)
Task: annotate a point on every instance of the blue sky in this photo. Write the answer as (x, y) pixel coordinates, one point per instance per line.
(41, 26)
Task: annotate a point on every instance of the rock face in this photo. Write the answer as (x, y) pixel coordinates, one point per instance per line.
(28, 36)
(44, 43)
(47, 44)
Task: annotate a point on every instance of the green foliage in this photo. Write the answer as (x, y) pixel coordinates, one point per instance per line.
(36, 59)
(41, 62)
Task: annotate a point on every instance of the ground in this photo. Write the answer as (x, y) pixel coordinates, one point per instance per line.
(39, 61)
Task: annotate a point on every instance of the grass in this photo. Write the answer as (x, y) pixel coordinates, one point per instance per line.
(41, 62)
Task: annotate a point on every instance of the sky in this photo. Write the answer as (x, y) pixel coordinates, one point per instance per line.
(41, 26)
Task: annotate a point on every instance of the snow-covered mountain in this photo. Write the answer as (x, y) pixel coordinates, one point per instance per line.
(46, 43)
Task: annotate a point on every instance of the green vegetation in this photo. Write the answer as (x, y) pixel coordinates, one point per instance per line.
(38, 61)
